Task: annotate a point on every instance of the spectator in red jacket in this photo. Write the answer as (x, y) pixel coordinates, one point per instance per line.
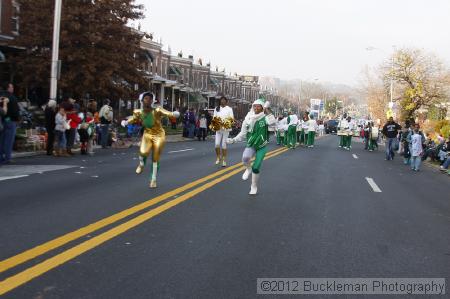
(72, 114)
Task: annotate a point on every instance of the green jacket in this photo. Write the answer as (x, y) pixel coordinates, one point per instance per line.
(259, 136)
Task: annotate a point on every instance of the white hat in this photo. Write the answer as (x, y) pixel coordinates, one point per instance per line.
(267, 104)
(258, 102)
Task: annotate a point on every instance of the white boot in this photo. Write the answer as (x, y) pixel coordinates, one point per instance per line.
(141, 165)
(254, 186)
(154, 173)
(246, 173)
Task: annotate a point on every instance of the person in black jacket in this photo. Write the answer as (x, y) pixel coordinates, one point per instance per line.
(390, 130)
(50, 113)
(10, 120)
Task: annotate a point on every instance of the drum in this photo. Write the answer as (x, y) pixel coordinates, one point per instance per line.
(342, 133)
(374, 134)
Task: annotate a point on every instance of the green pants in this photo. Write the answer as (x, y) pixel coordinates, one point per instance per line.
(311, 136)
(292, 136)
(285, 138)
(302, 137)
(259, 154)
(299, 134)
(278, 137)
(348, 141)
(341, 141)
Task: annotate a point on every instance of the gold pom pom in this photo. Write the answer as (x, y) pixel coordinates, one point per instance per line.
(216, 124)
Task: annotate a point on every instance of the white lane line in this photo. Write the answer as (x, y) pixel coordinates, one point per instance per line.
(355, 156)
(373, 185)
(183, 150)
(3, 178)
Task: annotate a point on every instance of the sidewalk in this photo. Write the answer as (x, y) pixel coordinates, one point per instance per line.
(169, 139)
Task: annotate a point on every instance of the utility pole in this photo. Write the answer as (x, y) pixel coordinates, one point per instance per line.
(55, 51)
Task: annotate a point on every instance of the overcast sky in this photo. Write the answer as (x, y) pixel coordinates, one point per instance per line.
(304, 39)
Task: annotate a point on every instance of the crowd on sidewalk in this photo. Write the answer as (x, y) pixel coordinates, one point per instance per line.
(71, 122)
(409, 142)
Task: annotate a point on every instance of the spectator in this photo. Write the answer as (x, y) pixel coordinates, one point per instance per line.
(86, 131)
(416, 139)
(10, 120)
(75, 120)
(50, 113)
(190, 122)
(173, 121)
(61, 125)
(390, 130)
(3, 109)
(430, 149)
(106, 117)
(405, 143)
(202, 127)
(321, 128)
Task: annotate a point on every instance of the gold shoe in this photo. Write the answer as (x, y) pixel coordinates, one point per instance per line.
(217, 161)
(153, 184)
(139, 169)
(224, 163)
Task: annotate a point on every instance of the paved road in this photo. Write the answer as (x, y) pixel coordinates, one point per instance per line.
(316, 216)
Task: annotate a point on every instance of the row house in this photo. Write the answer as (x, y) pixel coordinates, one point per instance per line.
(180, 83)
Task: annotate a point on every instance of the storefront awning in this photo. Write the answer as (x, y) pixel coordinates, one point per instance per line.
(158, 79)
(173, 70)
(197, 98)
(214, 81)
(146, 55)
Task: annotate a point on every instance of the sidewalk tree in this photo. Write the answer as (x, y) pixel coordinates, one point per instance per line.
(420, 78)
(99, 52)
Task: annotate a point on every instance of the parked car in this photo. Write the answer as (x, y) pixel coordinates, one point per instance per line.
(331, 126)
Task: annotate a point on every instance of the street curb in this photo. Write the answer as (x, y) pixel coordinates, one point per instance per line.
(18, 155)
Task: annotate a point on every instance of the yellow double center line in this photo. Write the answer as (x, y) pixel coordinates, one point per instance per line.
(22, 277)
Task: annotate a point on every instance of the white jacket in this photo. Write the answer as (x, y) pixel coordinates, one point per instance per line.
(312, 125)
(293, 120)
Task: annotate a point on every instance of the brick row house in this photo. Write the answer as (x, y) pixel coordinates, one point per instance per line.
(180, 82)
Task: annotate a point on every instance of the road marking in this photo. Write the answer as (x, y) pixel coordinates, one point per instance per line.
(373, 185)
(23, 277)
(183, 150)
(4, 178)
(355, 156)
(71, 236)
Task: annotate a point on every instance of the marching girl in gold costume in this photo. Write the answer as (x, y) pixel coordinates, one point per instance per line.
(154, 136)
(221, 123)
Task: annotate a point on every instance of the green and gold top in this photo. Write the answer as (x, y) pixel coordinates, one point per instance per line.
(150, 120)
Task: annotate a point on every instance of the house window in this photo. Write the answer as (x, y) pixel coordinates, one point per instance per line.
(15, 17)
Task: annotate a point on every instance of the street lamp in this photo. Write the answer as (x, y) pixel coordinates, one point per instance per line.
(55, 50)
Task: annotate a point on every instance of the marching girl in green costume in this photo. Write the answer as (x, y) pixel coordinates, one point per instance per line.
(255, 129)
(292, 121)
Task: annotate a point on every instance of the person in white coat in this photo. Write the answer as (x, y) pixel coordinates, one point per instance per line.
(312, 127)
(225, 113)
(292, 122)
(342, 130)
(255, 128)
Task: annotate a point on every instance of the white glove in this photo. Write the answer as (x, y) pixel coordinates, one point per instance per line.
(124, 123)
(230, 140)
(176, 114)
